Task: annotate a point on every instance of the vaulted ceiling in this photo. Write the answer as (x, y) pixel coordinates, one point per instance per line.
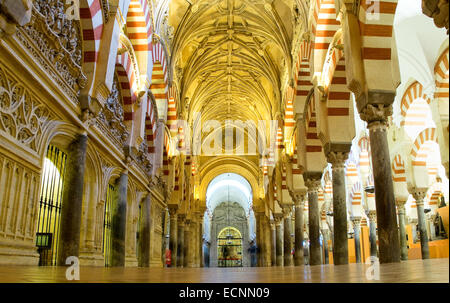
(231, 57)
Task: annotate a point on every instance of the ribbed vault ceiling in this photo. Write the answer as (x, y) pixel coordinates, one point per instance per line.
(231, 57)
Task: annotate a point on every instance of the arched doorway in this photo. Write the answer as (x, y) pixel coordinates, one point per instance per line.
(230, 222)
(229, 247)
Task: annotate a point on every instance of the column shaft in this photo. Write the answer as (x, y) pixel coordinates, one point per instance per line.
(279, 246)
(69, 237)
(314, 233)
(357, 237)
(173, 241)
(384, 195)
(299, 235)
(187, 245)
(340, 237)
(119, 222)
(402, 227)
(180, 239)
(287, 241)
(325, 245)
(144, 233)
(422, 231)
(373, 234)
(273, 244)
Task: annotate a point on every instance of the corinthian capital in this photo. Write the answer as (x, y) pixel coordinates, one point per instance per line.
(418, 194)
(376, 113)
(337, 159)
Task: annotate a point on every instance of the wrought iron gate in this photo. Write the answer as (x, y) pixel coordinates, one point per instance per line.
(110, 194)
(47, 234)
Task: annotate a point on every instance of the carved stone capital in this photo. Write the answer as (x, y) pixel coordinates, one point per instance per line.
(287, 210)
(372, 215)
(337, 159)
(376, 115)
(356, 222)
(181, 218)
(298, 197)
(278, 218)
(418, 194)
(173, 208)
(312, 181)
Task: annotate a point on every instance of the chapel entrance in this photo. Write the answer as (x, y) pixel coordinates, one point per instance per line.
(229, 248)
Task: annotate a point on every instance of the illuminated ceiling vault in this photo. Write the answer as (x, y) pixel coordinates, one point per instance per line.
(231, 57)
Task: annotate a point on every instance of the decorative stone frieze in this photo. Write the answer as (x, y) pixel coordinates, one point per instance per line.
(55, 42)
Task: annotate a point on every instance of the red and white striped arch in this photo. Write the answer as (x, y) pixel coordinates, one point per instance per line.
(428, 134)
(289, 121)
(304, 84)
(412, 93)
(376, 18)
(139, 31)
(91, 20)
(151, 125)
(172, 113)
(159, 85)
(166, 149)
(398, 169)
(313, 144)
(434, 194)
(441, 71)
(323, 28)
(128, 84)
(356, 198)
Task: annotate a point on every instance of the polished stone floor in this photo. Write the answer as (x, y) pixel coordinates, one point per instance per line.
(425, 271)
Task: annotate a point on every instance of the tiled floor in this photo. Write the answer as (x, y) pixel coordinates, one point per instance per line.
(434, 270)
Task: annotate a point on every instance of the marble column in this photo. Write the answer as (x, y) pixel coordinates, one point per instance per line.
(119, 223)
(325, 233)
(372, 214)
(180, 238)
(279, 240)
(144, 233)
(287, 236)
(200, 241)
(273, 243)
(173, 241)
(69, 237)
(267, 243)
(299, 230)
(187, 244)
(340, 236)
(313, 184)
(357, 236)
(194, 240)
(402, 226)
(376, 116)
(259, 239)
(419, 195)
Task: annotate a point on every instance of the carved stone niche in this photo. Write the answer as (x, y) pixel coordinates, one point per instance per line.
(55, 40)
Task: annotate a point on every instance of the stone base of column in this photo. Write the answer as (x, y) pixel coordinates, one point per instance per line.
(13, 254)
(91, 258)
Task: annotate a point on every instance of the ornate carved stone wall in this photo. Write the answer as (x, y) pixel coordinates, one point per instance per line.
(229, 214)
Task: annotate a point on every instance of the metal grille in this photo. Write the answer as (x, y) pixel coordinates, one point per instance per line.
(47, 234)
(107, 225)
